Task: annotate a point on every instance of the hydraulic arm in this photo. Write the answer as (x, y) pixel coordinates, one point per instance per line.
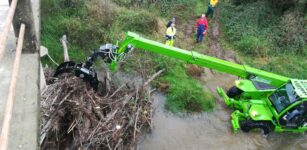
(113, 54)
(193, 57)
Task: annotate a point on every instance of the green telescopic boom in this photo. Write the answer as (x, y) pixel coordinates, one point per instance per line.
(193, 57)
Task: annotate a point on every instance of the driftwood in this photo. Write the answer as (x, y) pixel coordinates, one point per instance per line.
(76, 117)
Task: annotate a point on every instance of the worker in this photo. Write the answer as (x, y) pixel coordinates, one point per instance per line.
(170, 35)
(201, 28)
(170, 22)
(211, 7)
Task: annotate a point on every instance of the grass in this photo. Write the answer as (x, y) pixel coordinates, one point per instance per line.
(91, 23)
(185, 93)
(266, 39)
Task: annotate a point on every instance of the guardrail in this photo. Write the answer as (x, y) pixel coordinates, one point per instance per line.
(6, 28)
(12, 89)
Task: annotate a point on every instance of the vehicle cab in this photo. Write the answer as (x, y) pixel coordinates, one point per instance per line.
(289, 106)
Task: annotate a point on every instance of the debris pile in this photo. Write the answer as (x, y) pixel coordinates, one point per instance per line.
(74, 116)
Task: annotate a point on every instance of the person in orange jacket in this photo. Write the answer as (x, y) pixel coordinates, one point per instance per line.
(211, 8)
(201, 28)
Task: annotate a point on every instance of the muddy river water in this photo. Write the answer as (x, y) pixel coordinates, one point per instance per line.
(211, 130)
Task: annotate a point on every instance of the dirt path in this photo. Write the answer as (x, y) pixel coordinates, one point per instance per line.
(189, 33)
(214, 46)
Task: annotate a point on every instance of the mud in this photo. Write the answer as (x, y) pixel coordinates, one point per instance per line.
(211, 130)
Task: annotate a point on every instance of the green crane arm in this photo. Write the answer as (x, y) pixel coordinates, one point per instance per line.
(193, 57)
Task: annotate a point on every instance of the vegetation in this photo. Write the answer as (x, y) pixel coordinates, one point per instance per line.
(185, 93)
(91, 23)
(269, 35)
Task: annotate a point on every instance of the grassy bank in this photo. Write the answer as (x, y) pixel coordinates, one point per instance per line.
(267, 37)
(91, 23)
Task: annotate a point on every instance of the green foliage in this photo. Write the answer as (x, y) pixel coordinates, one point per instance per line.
(292, 35)
(251, 45)
(282, 32)
(282, 5)
(267, 39)
(138, 21)
(88, 24)
(240, 2)
(59, 19)
(185, 93)
(167, 8)
(91, 23)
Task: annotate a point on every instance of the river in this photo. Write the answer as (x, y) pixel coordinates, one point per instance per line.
(210, 130)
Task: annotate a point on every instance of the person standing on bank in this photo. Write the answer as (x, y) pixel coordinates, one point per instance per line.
(170, 35)
(201, 28)
(211, 7)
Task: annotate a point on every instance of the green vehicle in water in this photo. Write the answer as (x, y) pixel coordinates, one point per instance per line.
(260, 99)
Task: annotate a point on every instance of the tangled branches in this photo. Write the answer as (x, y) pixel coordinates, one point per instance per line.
(76, 117)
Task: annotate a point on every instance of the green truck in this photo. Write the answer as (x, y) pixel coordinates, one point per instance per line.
(260, 99)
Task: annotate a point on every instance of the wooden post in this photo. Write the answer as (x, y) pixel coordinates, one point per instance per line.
(12, 91)
(64, 44)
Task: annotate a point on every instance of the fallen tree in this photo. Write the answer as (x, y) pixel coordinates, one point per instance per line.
(74, 116)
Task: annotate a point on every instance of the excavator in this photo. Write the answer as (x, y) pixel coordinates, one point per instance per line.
(260, 99)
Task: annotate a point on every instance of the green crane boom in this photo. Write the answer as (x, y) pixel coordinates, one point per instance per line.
(193, 57)
(261, 99)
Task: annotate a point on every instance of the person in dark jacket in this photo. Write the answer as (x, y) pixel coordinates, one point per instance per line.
(211, 8)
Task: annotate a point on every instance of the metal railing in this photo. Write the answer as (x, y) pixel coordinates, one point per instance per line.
(12, 89)
(6, 28)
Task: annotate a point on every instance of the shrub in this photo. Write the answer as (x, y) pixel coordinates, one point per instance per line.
(188, 96)
(167, 8)
(292, 33)
(138, 21)
(185, 93)
(251, 45)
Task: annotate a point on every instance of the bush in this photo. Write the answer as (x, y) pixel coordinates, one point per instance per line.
(188, 96)
(137, 21)
(256, 29)
(240, 2)
(251, 45)
(185, 93)
(84, 23)
(281, 33)
(166, 8)
(292, 34)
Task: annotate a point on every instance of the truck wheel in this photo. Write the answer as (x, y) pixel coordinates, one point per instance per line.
(248, 125)
(234, 92)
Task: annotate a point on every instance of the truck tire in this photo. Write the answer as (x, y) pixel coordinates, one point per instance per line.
(234, 92)
(248, 125)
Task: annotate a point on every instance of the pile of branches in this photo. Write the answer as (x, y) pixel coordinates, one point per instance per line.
(74, 116)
